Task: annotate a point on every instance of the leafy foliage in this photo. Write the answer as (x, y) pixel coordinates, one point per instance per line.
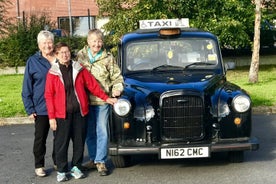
(231, 20)
(269, 12)
(20, 41)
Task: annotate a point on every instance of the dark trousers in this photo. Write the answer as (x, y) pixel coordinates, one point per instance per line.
(40, 136)
(72, 128)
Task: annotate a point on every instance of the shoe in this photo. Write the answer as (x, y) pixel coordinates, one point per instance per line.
(76, 173)
(102, 170)
(90, 165)
(61, 177)
(40, 172)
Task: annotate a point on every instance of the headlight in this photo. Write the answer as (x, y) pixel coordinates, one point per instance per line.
(221, 111)
(241, 103)
(122, 107)
(141, 113)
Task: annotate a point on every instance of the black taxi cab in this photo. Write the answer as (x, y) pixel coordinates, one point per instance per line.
(177, 102)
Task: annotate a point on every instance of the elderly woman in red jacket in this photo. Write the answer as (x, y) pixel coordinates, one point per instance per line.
(66, 97)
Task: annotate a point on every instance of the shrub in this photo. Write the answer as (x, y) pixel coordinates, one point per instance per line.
(20, 41)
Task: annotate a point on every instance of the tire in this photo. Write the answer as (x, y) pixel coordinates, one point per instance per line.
(236, 156)
(120, 161)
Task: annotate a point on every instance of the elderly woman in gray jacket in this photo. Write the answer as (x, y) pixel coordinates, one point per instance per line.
(103, 67)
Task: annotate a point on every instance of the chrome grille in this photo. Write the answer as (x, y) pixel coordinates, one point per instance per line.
(181, 117)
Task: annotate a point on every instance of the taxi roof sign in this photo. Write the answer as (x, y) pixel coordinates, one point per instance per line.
(164, 23)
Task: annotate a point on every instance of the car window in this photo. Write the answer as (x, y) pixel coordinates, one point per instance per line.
(146, 55)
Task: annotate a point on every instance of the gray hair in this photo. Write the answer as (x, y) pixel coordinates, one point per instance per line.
(42, 35)
(96, 32)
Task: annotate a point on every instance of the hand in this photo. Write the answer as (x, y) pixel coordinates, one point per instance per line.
(32, 116)
(116, 93)
(53, 124)
(111, 101)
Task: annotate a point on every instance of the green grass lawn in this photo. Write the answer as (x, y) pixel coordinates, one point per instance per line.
(10, 96)
(263, 93)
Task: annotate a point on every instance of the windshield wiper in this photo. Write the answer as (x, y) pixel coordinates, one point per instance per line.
(167, 67)
(198, 64)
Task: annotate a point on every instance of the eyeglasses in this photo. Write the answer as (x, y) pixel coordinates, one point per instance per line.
(64, 53)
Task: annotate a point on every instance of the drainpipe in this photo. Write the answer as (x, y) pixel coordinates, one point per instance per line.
(88, 11)
(70, 17)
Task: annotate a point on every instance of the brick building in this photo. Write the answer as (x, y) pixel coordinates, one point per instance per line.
(82, 13)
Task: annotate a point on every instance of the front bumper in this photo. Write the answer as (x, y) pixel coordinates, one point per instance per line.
(251, 144)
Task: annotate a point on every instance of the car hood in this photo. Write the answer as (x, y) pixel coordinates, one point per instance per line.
(144, 84)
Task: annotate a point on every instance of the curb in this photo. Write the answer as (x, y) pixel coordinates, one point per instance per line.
(262, 110)
(15, 121)
(12, 70)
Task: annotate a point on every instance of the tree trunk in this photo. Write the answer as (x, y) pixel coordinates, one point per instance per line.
(254, 67)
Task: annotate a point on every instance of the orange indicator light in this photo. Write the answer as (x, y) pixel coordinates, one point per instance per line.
(169, 32)
(237, 121)
(126, 125)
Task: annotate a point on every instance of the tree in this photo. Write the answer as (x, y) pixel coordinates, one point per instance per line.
(254, 67)
(231, 20)
(20, 40)
(4, 21)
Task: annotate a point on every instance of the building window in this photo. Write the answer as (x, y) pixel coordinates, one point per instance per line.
(80, 25)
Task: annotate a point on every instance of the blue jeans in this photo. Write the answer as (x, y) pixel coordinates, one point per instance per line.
(97, 133)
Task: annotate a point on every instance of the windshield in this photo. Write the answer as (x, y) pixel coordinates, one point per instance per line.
(179, 53)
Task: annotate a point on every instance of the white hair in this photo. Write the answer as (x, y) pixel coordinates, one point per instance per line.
(42, 35)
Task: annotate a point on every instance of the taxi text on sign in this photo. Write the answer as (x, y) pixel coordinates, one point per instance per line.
(164, 23)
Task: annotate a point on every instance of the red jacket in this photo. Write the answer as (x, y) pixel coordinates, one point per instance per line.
(55, 91)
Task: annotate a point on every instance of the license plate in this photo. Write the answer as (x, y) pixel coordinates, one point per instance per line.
(189, 152)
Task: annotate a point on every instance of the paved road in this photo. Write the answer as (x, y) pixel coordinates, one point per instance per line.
(259, 167)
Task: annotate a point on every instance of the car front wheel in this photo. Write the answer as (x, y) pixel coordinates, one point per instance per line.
(120, 161)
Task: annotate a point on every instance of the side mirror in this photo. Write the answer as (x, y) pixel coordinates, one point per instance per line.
(230, 65)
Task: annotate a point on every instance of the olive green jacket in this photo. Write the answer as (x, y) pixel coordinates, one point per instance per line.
(106, 72)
